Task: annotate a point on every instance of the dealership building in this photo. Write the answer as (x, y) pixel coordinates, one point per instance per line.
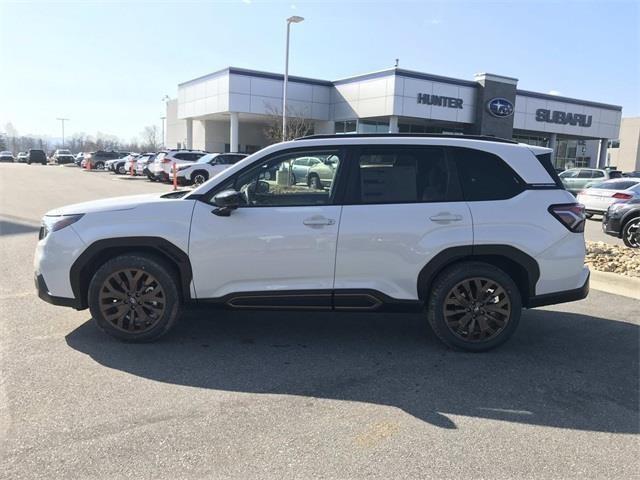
(229, 111)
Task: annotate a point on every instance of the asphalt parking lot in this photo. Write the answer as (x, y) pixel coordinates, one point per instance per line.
(300, 395)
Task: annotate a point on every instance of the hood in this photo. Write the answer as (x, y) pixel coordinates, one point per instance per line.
(107, 204)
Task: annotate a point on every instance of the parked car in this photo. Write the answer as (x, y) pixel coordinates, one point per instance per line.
(62, 157)
(321, 174)
(300, 169)
(596, 198)
(622, 220)
(21, 157)
(206, 167)
(576, 179)
(466, 229)
(6, 156)
(130, 164)
(98, 159)
(60, 151)
(143, 162)
(163, 163)
(634, 174)
(36, 156)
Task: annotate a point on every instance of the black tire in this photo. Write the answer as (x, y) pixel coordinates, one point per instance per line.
(631, 233)
(199, 177)
(28, 162)
(314, 182)
(99, 166)
(441, 290)
(294, 180)
(164, 278)
(120, 169)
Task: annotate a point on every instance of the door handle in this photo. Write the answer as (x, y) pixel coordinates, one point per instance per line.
(318, 221)
(445, 217)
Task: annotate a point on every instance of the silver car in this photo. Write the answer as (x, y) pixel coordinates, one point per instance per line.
(597, 197)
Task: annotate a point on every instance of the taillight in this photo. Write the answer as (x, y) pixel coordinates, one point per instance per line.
(571, 215)
(622, 196)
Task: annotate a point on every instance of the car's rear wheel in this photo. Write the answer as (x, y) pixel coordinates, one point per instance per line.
(99, 166)
(631, 233)
(121, 169)
(474, 306)
(199, 177)
(134, 298)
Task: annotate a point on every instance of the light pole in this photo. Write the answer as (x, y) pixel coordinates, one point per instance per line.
(165, 99)
(163, 118)
(290, 20)
(62, 120)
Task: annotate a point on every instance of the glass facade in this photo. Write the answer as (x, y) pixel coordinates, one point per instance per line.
(570, 153)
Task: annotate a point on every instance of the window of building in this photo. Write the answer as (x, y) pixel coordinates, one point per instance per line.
(405, 175)
(485, 176)
(349, 126)
(373, 126)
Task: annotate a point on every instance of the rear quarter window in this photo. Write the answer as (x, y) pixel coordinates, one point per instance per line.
(485, 176)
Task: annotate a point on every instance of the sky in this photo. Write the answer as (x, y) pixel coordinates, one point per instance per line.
(106, 65)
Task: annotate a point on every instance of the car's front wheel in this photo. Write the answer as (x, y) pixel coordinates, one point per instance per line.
(631, 233)
(134, 298)
(474, 306)
(199, 177)
(314, 182)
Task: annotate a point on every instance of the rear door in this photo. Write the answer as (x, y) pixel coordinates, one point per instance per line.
(404, 206)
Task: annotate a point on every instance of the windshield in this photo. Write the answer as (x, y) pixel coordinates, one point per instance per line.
(207, 158)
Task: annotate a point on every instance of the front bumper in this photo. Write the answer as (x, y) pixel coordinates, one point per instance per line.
(560, 297)
(44, 294)
(611, 225)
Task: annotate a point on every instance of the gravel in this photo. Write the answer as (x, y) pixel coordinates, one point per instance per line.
(613, 258)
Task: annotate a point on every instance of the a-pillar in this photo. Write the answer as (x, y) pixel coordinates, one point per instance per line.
(233, 132)
(393, 124)
(602, 156)
(189, 133)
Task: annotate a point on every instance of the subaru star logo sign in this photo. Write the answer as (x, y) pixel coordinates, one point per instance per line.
(500, 107)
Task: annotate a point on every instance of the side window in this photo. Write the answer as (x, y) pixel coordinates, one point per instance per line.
(180, 156)
(597, 174)
(272, 183)
(484, 176)
(585, 174)
(406, 175)
(195, 156)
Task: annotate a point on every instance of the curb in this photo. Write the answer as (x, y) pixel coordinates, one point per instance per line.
(615, 283)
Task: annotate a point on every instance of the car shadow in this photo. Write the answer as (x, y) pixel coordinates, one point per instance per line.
(559, 370)
(16, 227)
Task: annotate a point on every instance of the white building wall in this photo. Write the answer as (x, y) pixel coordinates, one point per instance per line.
(406, 100)
(176, 129)
(604, 122)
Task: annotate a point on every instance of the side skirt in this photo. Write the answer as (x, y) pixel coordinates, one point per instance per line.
(321, 300)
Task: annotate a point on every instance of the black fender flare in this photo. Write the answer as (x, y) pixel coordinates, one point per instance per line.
(94, 255)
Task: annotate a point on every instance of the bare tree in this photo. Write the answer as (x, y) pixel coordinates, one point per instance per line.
(150, 138)
(297, 124)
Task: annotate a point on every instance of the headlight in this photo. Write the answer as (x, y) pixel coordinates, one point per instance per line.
(53, 223)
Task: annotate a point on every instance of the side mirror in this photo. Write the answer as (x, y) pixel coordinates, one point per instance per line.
(226, 201)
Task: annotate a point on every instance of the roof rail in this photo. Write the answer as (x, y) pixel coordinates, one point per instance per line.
(485, 138)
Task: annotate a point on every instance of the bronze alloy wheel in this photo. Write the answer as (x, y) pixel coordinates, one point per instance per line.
(132, 300)
(477, 309)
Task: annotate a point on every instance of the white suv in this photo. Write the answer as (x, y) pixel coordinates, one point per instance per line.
(467, 229)
(164, 161)
(206, 167)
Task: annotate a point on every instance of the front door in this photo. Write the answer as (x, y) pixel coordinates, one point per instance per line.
(278, 247)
